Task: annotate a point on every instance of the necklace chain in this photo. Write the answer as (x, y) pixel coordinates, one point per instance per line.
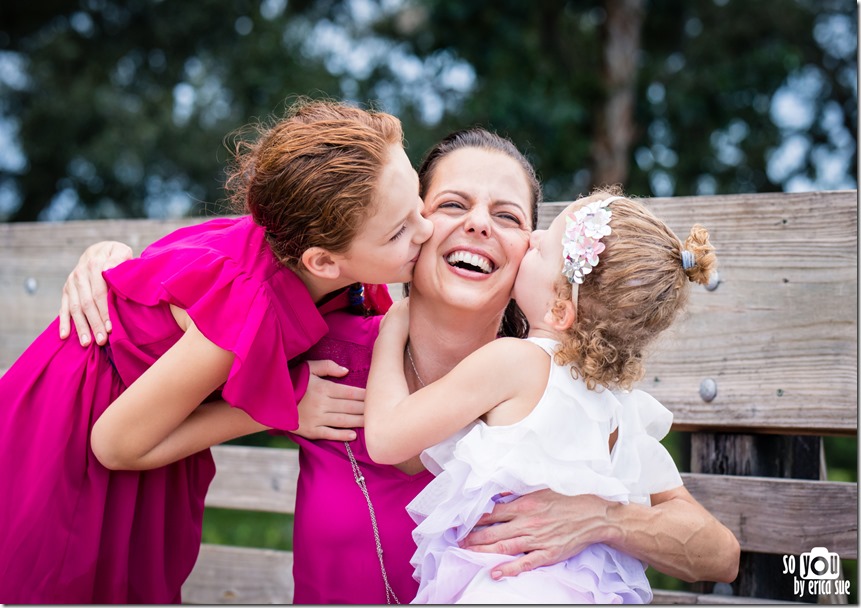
(413, 365)
(360, 480)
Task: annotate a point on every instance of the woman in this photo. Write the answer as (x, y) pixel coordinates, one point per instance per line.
(481, 195)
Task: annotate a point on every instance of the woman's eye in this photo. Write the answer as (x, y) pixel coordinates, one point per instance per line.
(451, 205)
(511, 217)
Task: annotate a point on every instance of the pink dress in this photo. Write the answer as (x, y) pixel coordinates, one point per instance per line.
(72, 531)
(335, 559)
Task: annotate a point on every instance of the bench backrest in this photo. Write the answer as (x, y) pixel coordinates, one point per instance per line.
(771, 351)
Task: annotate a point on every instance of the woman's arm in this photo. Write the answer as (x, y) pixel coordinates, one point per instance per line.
(85, 299)
(329, 410)
(676, 535)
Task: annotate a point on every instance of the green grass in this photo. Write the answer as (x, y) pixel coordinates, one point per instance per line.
(248, 529)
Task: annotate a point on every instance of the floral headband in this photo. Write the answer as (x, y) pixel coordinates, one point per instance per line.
(581, 242)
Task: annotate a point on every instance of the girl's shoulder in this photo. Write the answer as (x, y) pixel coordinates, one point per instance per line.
(513, 358)
(512, 347)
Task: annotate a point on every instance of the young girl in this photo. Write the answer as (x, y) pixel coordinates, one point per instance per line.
(552, 411)
(211, 313)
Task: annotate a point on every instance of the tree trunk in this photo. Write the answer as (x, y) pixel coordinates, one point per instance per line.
(614, 127)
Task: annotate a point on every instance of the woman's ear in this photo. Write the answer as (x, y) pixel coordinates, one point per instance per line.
(562, 316)
(321, 263)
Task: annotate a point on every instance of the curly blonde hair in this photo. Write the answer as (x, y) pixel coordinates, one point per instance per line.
(634, 293)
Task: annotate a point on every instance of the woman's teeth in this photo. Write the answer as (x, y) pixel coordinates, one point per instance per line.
(470, 261)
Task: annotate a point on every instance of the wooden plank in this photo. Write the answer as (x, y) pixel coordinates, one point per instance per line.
(238, 575)
(769, 515)
(36, 258)
(254, 478)
(782, 516)
(779, 334)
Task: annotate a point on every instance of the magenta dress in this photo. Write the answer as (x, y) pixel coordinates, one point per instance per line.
(335, 559)
(72, 531)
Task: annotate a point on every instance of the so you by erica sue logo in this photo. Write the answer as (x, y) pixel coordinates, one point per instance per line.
(815, 573)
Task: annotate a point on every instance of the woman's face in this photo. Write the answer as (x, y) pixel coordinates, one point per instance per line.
(480, 204)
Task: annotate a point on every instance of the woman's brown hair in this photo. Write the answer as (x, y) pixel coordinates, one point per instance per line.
(309, 179)
(632, 295)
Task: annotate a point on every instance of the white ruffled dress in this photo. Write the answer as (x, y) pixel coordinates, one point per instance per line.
(563, 444)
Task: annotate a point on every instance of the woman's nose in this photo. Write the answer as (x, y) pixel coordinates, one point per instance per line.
(478, 220)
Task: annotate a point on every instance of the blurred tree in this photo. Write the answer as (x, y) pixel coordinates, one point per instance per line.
(712, 81)
(122, 107)
(119, 108)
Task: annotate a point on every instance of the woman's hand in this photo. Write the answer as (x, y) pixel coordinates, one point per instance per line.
(85, 298)
(676, 535)
(547, 527)
(330, 410)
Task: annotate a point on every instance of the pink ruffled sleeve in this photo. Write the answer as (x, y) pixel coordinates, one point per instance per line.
(247, 304)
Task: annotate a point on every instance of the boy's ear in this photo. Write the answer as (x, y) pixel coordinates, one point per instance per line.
(562, 316)
(321, 263)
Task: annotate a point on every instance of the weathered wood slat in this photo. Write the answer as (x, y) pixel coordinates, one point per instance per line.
(261, 580)
(769, 515)
(782, 516)
(791, 368)
(237, 575)
(256, 479)
(780, 363)
(36, 258)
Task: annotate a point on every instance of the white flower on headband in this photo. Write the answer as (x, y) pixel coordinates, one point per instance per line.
(581, 242)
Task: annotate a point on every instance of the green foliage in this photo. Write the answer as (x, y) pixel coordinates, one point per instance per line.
(121, 108)
(248, 529)
(127, 103)
(708, 72)
(841, 458)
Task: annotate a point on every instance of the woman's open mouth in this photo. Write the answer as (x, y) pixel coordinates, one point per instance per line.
(470, 261)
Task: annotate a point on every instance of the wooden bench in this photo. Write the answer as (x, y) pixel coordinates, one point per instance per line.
(759, 370)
